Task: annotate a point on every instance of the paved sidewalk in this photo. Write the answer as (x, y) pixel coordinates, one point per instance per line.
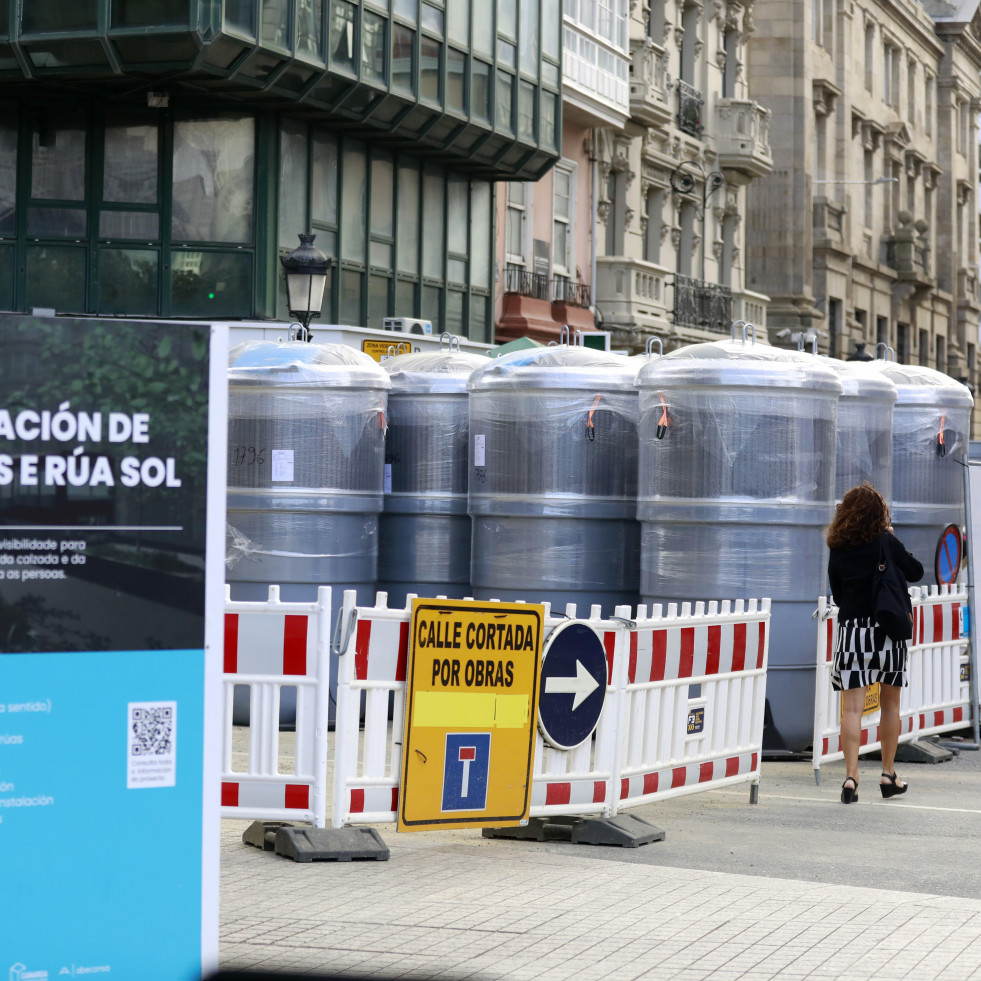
(455, 906)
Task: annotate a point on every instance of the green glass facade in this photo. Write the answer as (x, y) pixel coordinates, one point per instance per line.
(201, 136)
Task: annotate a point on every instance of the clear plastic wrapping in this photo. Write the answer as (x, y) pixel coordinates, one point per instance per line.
(425, 532)
(736, 472)
(553, 437)
(306, 443)
(865, 416)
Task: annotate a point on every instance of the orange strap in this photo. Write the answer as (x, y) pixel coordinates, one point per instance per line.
(590, 427)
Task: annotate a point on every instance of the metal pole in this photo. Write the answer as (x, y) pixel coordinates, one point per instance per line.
(972, 608)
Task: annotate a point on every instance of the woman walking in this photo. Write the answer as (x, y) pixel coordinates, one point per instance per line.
(864, 653)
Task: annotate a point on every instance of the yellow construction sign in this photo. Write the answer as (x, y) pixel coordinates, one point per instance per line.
(471, 713)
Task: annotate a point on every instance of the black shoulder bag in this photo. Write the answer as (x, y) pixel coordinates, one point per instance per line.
(893, 607)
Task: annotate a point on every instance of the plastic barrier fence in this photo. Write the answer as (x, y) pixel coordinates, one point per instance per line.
(683, 713)
(937, 698)
(268, 647)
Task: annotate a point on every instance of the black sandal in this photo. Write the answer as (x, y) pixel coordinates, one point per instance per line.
(892, 789)
(850, 794)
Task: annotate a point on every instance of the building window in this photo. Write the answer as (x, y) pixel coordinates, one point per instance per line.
(516, 231)
(689, 23)
(929, 90)
(911, 89)
(925, 348)
(890, 75)
(730, 67)
(902, 343)
(869, 55)
(655, 218)
(213, 178)
(941, 354)
(563, 218)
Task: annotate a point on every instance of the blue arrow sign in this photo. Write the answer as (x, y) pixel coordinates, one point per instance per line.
(573, 687)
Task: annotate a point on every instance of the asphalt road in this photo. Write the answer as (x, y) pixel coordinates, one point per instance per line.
(927, 841)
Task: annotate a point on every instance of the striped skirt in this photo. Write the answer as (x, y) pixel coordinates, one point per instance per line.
(864, 654)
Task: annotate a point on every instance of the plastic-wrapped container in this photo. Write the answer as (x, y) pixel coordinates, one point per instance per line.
(865, 411)
(930, 437)
(306, 449)
(736, 485)
(553, 478)
(306, 454)
(424, 541)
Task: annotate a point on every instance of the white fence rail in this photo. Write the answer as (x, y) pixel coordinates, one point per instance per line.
(937, 698)
(270, 646)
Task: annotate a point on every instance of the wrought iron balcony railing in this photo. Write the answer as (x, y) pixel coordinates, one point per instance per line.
(575, 294)
(698, 304)
(691, 102)
(519, 280)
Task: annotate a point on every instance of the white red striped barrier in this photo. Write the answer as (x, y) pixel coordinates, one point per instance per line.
(270, 646)
(373, 651)
(683, 713)
(694, 700)
(937, 698)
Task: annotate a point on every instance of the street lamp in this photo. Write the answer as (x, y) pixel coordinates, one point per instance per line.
(306, 276)
(683, 182)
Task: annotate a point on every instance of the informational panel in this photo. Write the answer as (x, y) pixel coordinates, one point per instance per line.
(471, 712)
(111, 569)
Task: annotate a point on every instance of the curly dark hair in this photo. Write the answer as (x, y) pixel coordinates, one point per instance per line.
(862, 515)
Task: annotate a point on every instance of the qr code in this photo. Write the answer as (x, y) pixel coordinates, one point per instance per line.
(151, 730)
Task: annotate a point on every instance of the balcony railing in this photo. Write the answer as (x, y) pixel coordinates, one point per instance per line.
(698, 304)
(520, 281)
(691, 102)
(538, 286)
(575, 294)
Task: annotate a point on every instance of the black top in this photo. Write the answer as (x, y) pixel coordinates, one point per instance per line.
(850, 571)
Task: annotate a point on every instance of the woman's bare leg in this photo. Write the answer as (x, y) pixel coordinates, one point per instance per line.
(852, 705)
(889, 727)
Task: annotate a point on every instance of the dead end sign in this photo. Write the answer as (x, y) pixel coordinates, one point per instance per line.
(471, 711)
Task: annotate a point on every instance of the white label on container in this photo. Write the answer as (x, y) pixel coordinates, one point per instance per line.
(282, 465)
(478, 451)
(388, 478)
(151, 745)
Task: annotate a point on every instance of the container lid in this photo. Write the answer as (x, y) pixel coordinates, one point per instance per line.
(923, 386)
(303, 365)
(859, 381)
(735, 364)
(433, 372)
(560, 366)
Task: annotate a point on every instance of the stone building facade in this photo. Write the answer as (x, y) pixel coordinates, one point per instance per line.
(866, 232)
(673, 182)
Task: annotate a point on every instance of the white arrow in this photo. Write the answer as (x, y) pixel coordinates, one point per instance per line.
(582, 686)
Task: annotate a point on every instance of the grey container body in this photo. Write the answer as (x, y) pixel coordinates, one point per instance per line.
(305, 474)
(734, 496)
(553, 470)
(425, 530)
(931, 432)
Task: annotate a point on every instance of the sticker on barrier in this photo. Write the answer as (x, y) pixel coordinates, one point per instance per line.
(270, 646)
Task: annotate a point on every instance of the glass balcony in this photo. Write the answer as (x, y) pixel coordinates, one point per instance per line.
(408, 84)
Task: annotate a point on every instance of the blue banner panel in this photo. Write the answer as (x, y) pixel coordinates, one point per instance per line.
(101, 851)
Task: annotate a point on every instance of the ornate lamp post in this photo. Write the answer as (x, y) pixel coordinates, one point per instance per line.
(306, 276)
(684, 182)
